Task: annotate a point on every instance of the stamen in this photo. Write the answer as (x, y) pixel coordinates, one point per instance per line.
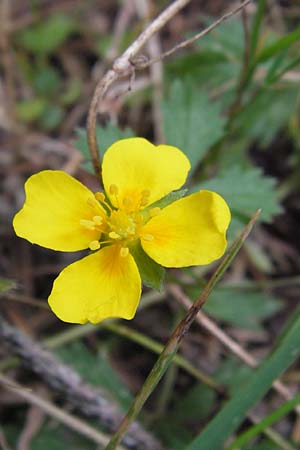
(87, 224)
(131, 230)
(98, 220)
(124, 252)
(100, 197)
(94, 245)
(92, 202)
(154, 211)
(147, 237)
(145, 197)
(113, 189)
(127, 201)
(114, 235)
(138, 219)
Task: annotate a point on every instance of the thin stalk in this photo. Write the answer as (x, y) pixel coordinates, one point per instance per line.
(157, 348)
(267, 421)
(180, 331)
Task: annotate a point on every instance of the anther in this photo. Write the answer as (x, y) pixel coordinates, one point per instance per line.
(124, 252)
(127, 201)
(154, 211)
(130, 230)
(145, 197)
(148, 237)
(92, 202)
(113, 189)
(97, 220)
(100, 197)
(114, 235)
(94, 245)
(87, 224)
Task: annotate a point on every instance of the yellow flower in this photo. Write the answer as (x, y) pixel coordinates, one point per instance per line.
(62, 214)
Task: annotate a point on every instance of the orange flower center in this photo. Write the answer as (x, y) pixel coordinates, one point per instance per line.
(121, 225)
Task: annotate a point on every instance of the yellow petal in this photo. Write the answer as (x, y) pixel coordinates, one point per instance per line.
(55, 204)
(136, 172)
(190, 231)
(104, 284)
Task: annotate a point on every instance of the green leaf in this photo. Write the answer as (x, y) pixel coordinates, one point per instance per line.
(232, 373)
(51, 117)
(277, 46)
(6, 285)
(248, 394)
(192, 122)
(106, 136)
(31, 109)
(72, 91)
(242, 308)
(255, 28)
(151, 272)
(245, 190)
(239, 307)
(268, 113)
(45, 37)
(46, 81)
(217, 57)
(50, 436)
(265, 445)
(168, 199)
(196, 403)
(96, 369)
(227, 38)
(267, 421)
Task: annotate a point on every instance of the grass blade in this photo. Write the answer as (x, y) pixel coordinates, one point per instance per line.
(233, 413)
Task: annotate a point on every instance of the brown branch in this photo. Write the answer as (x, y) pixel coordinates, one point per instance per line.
(67, 419)
(126, 64)
(90, 402)
(123, 67)
(186, 43)
(156, 74)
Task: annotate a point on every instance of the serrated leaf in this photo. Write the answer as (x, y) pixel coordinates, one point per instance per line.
(267, 114)
(227, 38)
(192, 122)
(106, 136)
(151, 272)
(245, 191)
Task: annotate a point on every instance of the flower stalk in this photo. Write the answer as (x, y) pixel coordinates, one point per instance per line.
(180, 331)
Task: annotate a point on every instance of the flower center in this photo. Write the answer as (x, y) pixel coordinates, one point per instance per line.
(129, 201)
(121, 223)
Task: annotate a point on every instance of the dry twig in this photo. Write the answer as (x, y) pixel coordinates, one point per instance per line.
(91, 402)
(67, 419)
(127, 63)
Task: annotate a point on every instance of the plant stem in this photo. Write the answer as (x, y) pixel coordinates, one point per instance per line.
(258, 428)
(172, 345)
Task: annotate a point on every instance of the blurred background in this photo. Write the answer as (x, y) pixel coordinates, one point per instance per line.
(230, 101)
